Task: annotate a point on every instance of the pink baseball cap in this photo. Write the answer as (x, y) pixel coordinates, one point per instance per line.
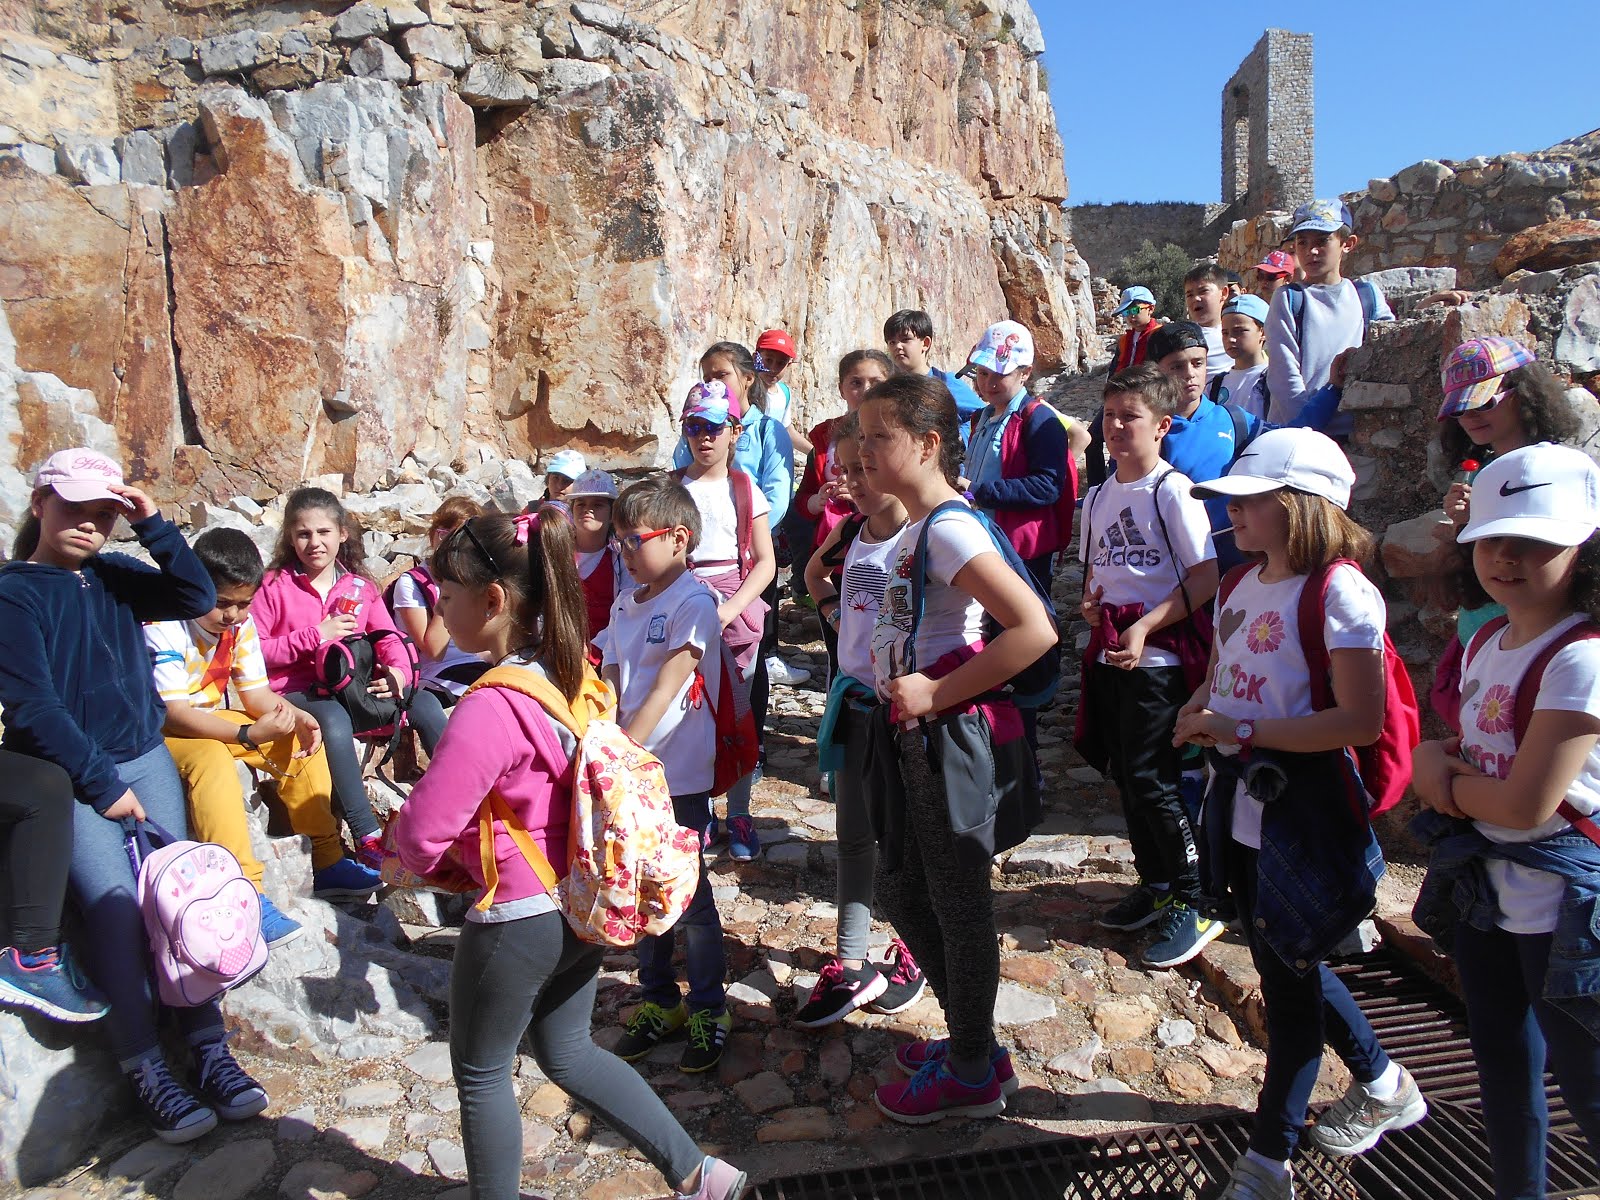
(1278, 262)
(81, 474)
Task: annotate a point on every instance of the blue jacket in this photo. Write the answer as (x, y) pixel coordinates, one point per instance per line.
(967, 400)
(75, 674)
(1457, 888)
(765, 452)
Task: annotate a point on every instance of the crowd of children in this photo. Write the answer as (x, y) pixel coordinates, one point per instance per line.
(1236, 648)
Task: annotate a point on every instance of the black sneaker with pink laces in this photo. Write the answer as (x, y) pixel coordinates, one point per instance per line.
(906, 982)
(839, 992)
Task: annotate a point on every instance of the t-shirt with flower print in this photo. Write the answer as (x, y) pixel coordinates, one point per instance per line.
(1261, 667)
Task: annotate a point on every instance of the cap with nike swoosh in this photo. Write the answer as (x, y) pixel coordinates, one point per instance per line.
(1302, 459)
(1545, 492)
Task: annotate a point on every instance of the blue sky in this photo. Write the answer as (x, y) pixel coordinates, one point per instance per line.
(1138, 87)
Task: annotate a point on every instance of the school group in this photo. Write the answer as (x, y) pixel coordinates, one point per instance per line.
(1238, 688)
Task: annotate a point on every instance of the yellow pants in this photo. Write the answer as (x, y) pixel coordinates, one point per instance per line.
(217, 807)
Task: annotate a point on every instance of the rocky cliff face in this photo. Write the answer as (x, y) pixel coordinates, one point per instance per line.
(280, 241)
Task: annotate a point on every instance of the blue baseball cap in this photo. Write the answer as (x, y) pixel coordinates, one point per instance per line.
(1250, 306)
(1321, 216)
(1132, 296)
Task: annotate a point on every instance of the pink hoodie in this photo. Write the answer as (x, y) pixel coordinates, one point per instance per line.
(287, 610)
(496, 740)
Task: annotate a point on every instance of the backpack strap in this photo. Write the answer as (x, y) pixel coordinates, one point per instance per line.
(1172, 555)
(919, 576)
(1481, 639)
(1242, 436)
(1294, 300)
(1369, 303)
(849, 529)
(1533, 678)
(1230, 580)
(595, 699)
(494, 808)
(743, 506)
(1313, 634)
(1214, 391)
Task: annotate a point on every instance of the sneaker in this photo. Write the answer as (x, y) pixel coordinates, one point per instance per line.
(906, 982)
(369, 851)
(1183, 934)
(51, 983)
(933, 1094)
(913, 1056)
(839, 992)
(649, 1027)
(1140, 907)
(346, 879)
(1356, 1121)
(707, 1035)
(277, 929)
(718, 1181)
(1256, 1181)
(779, 671)
(174, 1112)
(223, 1082)
(743, 842)
(711, 834)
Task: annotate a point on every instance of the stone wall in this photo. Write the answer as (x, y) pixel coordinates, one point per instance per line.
(282, 241)
(1105, 234)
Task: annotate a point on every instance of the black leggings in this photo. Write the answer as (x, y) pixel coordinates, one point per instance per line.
(36, 808)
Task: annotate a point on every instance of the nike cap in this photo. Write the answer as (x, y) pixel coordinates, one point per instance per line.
(1545, 492)
(1302, 459)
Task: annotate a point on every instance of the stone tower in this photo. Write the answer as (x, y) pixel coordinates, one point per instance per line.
(1268, 127)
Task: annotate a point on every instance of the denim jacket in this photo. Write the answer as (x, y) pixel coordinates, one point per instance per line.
(1319, 865)
(1457, 888)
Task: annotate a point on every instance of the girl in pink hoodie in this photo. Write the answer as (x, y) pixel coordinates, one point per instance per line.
(317, 591)
(509, 587)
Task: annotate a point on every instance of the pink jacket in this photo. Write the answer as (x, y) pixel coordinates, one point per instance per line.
(287, 610)
(496, 740)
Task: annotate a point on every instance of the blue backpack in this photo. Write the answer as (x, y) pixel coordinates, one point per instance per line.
(1035, 685)
(1296, 302)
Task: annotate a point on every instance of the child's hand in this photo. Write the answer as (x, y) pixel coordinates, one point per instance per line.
(1202, 727)
(335, 626)
(388, 683)
(1433, 766)
(274, 725)
(127, 805)
(1458, 503)
(911, 695)
(1338, 368)
(727, 614)
(1131, 650)
(306, 731)
(143, 506)
(1091, 605)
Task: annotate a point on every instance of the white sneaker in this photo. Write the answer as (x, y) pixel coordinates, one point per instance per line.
(1355, 1122)
(779, 671)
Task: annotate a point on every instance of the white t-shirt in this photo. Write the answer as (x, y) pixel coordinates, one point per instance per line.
(1261, 664)
(719, 521)
(1218, 360)
(642, 636)
(408, 594)
(1529, 899)
(1239, 389)
(951, 619)
(866, 576)
(779, 401)
(1130, 557)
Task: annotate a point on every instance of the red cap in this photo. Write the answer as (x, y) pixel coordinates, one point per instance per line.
(777, 339)
(1278, 262)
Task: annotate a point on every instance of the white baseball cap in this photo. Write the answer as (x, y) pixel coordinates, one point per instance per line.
(1004, 347)
(1302, 459)
(1545, 492)
(593, 483)
(565, 462)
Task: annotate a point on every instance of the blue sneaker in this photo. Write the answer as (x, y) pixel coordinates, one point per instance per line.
(1183, 933)
(277, 929)
(711, 834)
(49, 982)
(743, 843)
(346, 879)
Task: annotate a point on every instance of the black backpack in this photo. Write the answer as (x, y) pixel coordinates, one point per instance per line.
(346, 667)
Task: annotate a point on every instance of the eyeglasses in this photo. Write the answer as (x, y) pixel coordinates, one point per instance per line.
(695, 429)
(634, 541)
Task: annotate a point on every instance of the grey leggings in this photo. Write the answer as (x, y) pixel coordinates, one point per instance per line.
(858, 852)
(534, 974)
(943, 910)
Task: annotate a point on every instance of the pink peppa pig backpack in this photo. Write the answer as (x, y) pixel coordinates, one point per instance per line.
(203, 917)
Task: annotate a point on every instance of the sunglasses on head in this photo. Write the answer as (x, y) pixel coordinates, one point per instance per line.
(634, 541)
(694, 428)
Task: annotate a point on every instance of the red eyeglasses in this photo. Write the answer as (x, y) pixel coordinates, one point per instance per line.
(633, 541)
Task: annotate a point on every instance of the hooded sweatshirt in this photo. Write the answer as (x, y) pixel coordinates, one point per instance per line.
(75, 675)
(287, 611)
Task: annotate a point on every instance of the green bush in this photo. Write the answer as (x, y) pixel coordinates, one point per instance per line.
(1161, 269)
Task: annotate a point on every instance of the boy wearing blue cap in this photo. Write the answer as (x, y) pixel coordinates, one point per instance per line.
(1244, 337)
(1312, 322)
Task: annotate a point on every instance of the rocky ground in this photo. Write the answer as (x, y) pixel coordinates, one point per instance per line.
(1099, 1042)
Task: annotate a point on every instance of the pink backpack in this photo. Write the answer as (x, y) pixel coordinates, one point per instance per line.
(203, 917)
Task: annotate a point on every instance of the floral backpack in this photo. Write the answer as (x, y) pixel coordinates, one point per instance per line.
(632, 869)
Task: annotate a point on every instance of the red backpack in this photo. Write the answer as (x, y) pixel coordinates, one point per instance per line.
(743, 489)
(1385, 765)
(1528, 695)
(737, 748)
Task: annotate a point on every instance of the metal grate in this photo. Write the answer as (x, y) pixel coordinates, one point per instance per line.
(1418, 1022)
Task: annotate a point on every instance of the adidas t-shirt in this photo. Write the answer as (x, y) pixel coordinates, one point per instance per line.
(1121, 539)
(951, 619)
(1529, 899)
(1261, 665)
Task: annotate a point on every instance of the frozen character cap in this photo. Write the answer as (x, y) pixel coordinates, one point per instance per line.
(593, 483)
(1321, 216)
(711, 402)
(1302, 459)
(1004, 347)
(1471, 374)
(1250, 306)
(81, 474)
(565, 462)
(1132, 296)
(1278, 262)
(1545, 492)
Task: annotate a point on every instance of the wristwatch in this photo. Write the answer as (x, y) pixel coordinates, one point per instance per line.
(1244, 733)
(245, 740)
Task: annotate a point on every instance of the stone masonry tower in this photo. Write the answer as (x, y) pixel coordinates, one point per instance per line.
(1268, 125)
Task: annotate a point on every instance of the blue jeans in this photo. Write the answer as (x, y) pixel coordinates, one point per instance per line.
(338, 739)
(702, 935)
(1514, 1033)
(116, 948)
(1303, 1011)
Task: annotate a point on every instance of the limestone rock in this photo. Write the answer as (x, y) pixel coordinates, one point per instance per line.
(1424, 178)
(90, 161)
(376, 59)
(1126, 1019)
(142, 157)
(361, 21)
(320, 1179)
(229, 1173)
(1048, 856)
(1414, 549)
(1578, 344)
(58, 1089)
(490, 84)
(233, 53)
(447, 47)
(1017, 1005)
(1550, 246)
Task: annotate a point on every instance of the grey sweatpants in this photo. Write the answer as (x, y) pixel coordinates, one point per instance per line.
(943, 910)
(858, 852)
(534, 974)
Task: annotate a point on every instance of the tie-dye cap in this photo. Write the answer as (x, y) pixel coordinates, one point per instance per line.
(1471, 374)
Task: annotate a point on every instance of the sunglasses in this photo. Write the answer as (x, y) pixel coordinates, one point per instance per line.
(693, 428)
(634, 541)
(482, 549)
(1489, 405)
